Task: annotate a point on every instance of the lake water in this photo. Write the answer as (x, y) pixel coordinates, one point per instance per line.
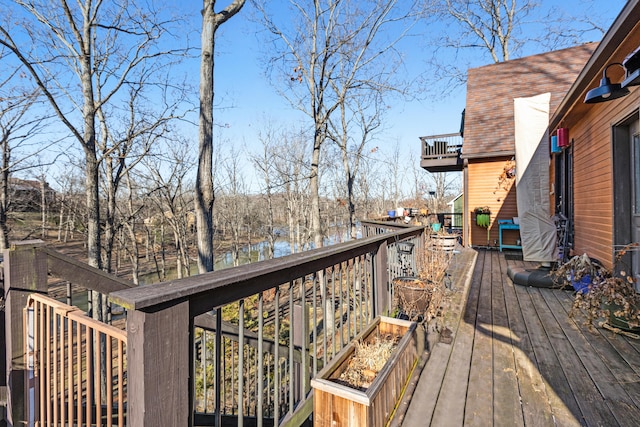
(256, 252)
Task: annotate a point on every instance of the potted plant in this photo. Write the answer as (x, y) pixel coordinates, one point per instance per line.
(366, 394)
(413, 296)
(608, 294)
(483, 216)
(418, 297)
(580, 272)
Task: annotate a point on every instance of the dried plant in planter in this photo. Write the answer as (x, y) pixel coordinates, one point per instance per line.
(435, 259)
(580, 271)
(420, 297)
(415, 297)
(609, 295)
(368, 359)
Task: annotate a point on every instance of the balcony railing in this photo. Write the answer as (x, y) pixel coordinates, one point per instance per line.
(441, 153)
(236, 345)
(65, 384)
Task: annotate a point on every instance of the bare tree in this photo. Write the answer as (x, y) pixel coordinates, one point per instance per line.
(309, 55)
(69, 201)
(22, 128)
(499, 30)
(292, 178)
(490, 23)
(211, 21)
(357, 126)
(265, 166)
(167, 190)
(130, 211)
(442, 188)
(396, 173)
(367, 181)
(81, 56)
(128, 135)
(234, 204)
(91, 46)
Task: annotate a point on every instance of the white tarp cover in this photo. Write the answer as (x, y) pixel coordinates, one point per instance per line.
(537, 229)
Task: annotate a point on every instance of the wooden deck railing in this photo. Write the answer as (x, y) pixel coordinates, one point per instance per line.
(299, 309)
(65, 385)
(27, 265)
(237, 345)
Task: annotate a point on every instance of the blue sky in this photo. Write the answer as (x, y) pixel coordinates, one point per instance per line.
(241, 85)
(246, 100)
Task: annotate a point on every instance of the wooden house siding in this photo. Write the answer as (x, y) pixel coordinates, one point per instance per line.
(593, 176)
(591, 129)
(593, 207)
(486, 189)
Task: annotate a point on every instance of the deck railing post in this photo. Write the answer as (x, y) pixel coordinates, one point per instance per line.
(380, 281)
(25, 272)
(301, 339)
(158, 370)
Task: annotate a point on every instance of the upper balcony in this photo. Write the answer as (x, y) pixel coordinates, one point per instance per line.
(441, 153)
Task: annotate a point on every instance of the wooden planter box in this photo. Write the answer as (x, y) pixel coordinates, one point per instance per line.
(338, 404)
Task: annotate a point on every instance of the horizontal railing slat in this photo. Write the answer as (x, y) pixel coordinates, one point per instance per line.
(207, 322)
(222, 287)
(82, 274)
(74, 313)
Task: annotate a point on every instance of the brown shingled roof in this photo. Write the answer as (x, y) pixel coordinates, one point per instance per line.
(489, 126)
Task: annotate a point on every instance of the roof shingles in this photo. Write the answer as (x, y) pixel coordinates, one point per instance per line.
(489, 126)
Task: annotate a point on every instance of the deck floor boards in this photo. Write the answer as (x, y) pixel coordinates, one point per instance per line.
(534, 401)
(453, 388)
(479, 405)
(518, 359)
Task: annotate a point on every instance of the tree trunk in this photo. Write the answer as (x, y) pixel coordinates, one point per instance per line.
(4, 196)
(109, 226)
(270, 223)
(61, 216)
(179, 264)
(131, 229)
(43, 206)
(204, 180)
(353, 232)
(314, 184)
(93, 214)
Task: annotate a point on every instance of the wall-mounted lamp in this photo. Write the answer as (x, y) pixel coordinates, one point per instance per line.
(632, 64)
(607, 90)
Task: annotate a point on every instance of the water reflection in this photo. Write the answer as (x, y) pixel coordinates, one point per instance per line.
(248, 254)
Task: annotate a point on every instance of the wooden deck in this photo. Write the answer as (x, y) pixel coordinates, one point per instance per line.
(517, 359)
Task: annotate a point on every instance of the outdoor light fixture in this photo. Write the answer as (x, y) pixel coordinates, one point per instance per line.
(607, 90)
(632, 65)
